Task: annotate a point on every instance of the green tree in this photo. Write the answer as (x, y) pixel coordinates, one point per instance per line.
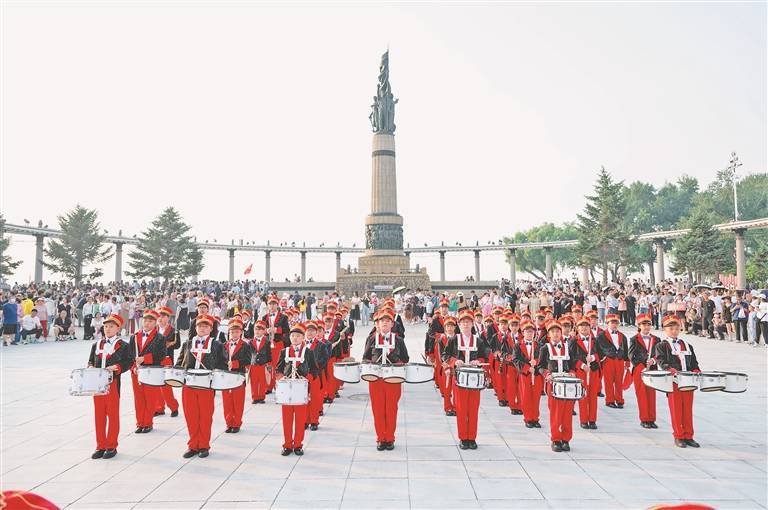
(602, 233)
(641, 217)
(533, 261)
(166, 250)
(757, 267)
(81, 244)
(7, 264)
(703, 251)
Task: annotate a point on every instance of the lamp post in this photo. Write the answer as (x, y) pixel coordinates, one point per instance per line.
(734, 164)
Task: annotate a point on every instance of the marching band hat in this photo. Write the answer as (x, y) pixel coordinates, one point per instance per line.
(260, 324)
(612, 317)
(204, 301)
(487, 318)
(235, 324)
(513, 317)
(151, 314)
(273, 299)
(165, 311)
(298, 328)
(527, 324)
(444, 302)
(450, 319)
(466, 315)
(204, 317)
(566, 318)
(386, 313)
(592, 314)
(478, 313)
(576, 308)
(498, 309)
(582, 320)
(331, 304)
(644, 317)
(310, 324)
(246, 313)
(554, 324)
(670, 320)
(541, 314)
(116, 319)
(504, 318)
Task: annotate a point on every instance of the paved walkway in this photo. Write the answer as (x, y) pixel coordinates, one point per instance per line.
(47, 439)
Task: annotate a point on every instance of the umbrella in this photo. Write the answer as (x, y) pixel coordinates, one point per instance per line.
(719, 287)
(607, 288)
(702, 286)
(397, 289)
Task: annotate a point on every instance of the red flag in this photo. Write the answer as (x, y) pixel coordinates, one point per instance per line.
(248, 269)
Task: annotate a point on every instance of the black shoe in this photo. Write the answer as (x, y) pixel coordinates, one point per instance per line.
(644, 424)
(203, 453)
(286, 451)
(298, 451)
(147, 430)
(228, 431)
(612, 405)
(139, 430)
(503, 403)
(381, 446)
(327, 400)
(235, 430)
(620, 405)
(321, 411)
(585, 425)
(159, 413)
(543, 394)
(254, 401)
(680, 443)
(269, 392)
(463, 444)
(692, 443)
(601, 394)
(389, 445)
(450, 413)
(175, 413)
(565, 446)
(529, 424)
(652, 425)
(313, 426)
(573, 413)
(593, 425)
(108, 454)
(472, 444)
(536, 424)
(189, 453)
(337, 395)
(306, 426)
(98, 454)
(556, 446)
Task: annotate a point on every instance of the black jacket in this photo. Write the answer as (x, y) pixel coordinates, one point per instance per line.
(154, 348)
(241, 357)
(263, 355)
(308, 366)
(211, 360)
(451, 353)
(397, 355)
(666, 359)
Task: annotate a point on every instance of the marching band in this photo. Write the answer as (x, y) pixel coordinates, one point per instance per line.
(306, 363)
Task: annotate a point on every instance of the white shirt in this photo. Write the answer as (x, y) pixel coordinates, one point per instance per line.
(29, 323)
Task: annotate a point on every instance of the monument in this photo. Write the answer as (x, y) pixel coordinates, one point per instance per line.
(384, 264)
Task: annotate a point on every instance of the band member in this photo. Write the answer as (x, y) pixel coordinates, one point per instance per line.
(496, 334)
(435, 327)
(261, 363)
(510, 377)
(576, 312)
(200, 352)
(237, 353)
(442, 371)
(596, 330)
(295, 361)
(277, 330)
(641, 348)
(614, 355)
(349, 327)
(556, 361)
(385, 347)
(149, 348)
(585, 357)
(466, 349)
(248, 324)
(541, 326)
(315, 380)
(676, 355)
(111, 353)
(172, 340)
(526, 360)
(332, 336)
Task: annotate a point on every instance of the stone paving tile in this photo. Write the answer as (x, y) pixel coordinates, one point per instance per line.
(48, 438)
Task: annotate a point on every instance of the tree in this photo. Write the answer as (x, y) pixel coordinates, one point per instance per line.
(7, 264)
(703, 250)
(81, 243)
(757, 267)
(602, 233)
(166, 250)
(533, 260)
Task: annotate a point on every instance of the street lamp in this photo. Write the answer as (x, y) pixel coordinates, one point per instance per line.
(734, 164)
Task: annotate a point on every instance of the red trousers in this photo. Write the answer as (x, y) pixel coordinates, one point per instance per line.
(315, 400)
(560, 418)
(681, 413)
(332, 384)
(613, 375)
(198, 412)
(167, 398)
(446, 389)
(467, 406)
(258, 376)
(106, 411)
(646, 397)
(294, 420)
(275, 358)
(530, 394)
(145, 401)
(588, 404)
(498, 379)
(512, 387)
(384, 399)
(234, 402)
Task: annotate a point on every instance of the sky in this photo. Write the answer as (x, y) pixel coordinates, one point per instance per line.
(252, 119)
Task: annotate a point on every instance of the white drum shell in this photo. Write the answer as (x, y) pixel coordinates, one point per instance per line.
(660, 380)
(470, 378)
(687, 381)
(394, 374)
(416, 373)
(86, 382)
(370, 372)
(292, 392)
(226, 380)
(174, 376)
(735, 382)
(197, 378)
(151, 376)
(711, 381)
(567, 388)
(346, 371)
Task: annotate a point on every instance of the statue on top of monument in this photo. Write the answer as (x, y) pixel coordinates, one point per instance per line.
(383, 108)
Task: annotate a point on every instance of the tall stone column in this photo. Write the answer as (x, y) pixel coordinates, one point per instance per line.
(338, 263)
(651, 273)
(39, 243)
(442, 265)
(118, 262)
(231, 265)
(267, 263)
(585, 278)
(477, 265)
(303, 266)
(548, 263)
(512, 267)
(659, 259)
(741, 262)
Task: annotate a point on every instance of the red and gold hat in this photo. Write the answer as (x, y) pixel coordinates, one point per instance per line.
(331, 304)
(164, 310)
(478, 313)
(151, 314)
(204, 302)
(386, 313)
(235, 324)
(540, 314)
(247, 313)
(670, 320)
(260, 324)
(514, 318)
(576, 309)
(488, 318)
(298, 328)
(466, 315)
(205, 318)
(310, 325)
(553, 324)
(582, 320)
(566, 318)
(115, 319)
(451, 319)
(498, 309)
(526, 324)
(612, 317)
(273, 299)
(592, 314)
(444, 302)
(644, 317)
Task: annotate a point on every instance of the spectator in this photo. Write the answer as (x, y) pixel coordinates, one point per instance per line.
(63, 329)
(30, 325)
(10, 322)
(42, 314)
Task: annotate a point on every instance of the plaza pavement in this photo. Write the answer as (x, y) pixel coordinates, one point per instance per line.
(47, 439)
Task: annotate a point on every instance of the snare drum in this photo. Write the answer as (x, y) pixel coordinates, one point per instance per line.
(151, 376)
(198, 378)
(292, 392)
(735, 382)
(347, 371)
(174, 376)
(659, 380)
(86, 382)
(470, 378)
(711, 381)
(393, 374)
(226, 380)
(567, 388)
(370, 372)
(416, 373)
(687, 381)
